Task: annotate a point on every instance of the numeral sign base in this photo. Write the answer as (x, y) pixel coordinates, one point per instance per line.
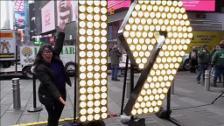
(164, 114)
(131, 121)
(91, 123)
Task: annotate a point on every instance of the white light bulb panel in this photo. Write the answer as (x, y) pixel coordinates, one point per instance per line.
(92, 60)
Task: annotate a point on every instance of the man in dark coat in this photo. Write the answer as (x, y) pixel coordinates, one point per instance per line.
(203, 61)
(218, 62)
(193, 60)
(115, 55)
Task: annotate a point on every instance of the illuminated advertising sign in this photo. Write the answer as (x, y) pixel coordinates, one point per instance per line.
(19, 6)
(48, 17)
(189, 5)
(199, 5)
(20, 21)
(20, 17)
(66, 11)
(117, 4)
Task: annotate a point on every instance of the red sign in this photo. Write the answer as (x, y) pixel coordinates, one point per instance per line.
(199, 5)
(117, 4)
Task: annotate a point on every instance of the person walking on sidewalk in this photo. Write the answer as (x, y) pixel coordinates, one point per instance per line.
(50, 70)
(203, 61)
(193, 59)
(215, 49)
(115, 55)
(218, 62)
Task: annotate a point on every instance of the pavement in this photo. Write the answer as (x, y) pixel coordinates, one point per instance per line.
(190, 104)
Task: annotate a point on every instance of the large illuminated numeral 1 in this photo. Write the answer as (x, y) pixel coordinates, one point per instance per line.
(92, 60)
(142, 33)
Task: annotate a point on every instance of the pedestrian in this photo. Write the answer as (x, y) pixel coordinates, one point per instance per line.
(217, 47)
(203, 61)
(193, 60)
(115, 55)
(50, 70)
(218, 63)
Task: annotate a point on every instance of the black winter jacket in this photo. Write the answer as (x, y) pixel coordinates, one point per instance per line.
(43, 72)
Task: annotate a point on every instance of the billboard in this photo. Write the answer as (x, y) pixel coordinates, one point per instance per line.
(209, 38)
(48, 17)
(117, 4)
(20, 20)
(66, 11)
(189, 5)
(199, 5)
(19, 6)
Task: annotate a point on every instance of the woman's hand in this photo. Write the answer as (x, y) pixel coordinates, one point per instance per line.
(62, 100)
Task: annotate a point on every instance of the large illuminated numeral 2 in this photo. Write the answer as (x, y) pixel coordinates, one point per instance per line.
(92, 60)
(140, 34)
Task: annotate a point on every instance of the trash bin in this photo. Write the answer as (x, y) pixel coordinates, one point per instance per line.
(16, 93)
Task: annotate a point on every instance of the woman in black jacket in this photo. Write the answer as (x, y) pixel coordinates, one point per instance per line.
(50, 70)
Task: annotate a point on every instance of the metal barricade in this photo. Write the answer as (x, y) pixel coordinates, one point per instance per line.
(16, 93)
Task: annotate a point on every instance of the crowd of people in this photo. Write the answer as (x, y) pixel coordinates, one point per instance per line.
(202, 59)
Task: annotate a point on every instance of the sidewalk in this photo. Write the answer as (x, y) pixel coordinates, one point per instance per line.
(187, 96)
(193, 102)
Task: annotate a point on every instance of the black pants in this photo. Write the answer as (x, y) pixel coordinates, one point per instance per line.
(193, 64)
(54, 112)
(54, 109)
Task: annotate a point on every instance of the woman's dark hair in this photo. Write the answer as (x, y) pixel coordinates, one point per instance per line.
(39, 58)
